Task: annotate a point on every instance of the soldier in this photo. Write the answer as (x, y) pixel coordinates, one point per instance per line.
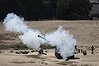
(57, 54)
(40, 52)
(92, 49)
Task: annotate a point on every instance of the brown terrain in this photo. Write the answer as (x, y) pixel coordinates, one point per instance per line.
(86, 33)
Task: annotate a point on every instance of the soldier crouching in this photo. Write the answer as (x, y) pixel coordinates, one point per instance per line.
(40, 52)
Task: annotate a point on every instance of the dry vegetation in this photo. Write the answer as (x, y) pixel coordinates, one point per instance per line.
(85, 32)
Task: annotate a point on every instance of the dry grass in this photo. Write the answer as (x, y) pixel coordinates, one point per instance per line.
(86, 65)
(85, 32)
(66, 63)
(21, 62)
(19, 46)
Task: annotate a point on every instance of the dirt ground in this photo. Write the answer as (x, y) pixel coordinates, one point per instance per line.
(85, 32)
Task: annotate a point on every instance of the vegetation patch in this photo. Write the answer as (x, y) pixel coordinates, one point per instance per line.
(45, 46)
(21, 62)
(67, 63)
(85, 64)
(19, 46)
(7, 36)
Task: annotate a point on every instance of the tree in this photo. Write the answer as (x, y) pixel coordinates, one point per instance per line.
(54, 2)
(62, 9)
(48, 10)
(31, 9)
(8, 6)
(73, 9)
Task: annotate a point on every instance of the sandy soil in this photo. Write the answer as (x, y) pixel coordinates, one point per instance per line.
(11, 59)
(85, 32)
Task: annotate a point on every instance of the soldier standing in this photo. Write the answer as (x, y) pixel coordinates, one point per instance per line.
(92, 49)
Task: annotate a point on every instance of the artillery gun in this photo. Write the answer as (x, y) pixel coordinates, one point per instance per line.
(57, 54)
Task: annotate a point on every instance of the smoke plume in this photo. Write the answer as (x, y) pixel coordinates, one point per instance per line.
(14, 23)
(61, 39)
(29, 37)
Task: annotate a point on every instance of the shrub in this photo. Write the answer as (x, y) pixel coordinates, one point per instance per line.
(84, 52)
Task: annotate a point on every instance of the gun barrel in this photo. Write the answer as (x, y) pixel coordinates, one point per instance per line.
(41, 37)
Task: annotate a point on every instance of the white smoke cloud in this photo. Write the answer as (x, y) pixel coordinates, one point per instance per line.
(62, 39)
(29, 37)
(14, 23)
